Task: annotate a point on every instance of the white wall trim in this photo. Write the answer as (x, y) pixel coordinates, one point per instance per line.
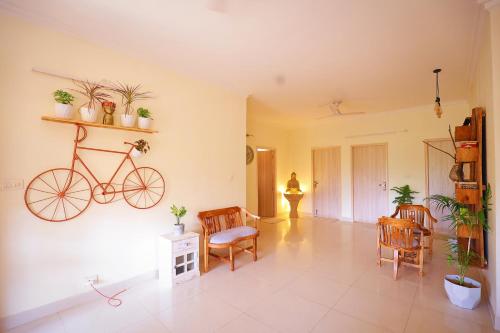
(27, 316)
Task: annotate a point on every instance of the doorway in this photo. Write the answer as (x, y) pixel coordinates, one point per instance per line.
(266, 182)
(326, 182)
(369, 182)
(437, 169)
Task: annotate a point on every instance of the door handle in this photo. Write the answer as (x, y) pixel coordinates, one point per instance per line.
(315, 183)
(383, 185)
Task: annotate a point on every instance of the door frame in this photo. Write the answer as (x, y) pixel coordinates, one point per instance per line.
(386, 144)
(312, 178)
(426, 157)
(274, 170)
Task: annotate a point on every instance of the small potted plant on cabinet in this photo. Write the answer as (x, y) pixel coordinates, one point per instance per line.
(178, 213)
(462, 290)
(129, 94)
(141, 148)
(404, 195)
(63, 106)
(95, 95)
(144, 118)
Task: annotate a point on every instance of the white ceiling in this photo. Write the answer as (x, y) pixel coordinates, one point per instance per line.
(291, 55)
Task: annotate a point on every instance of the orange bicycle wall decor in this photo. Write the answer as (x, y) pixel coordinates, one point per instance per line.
(61, 194)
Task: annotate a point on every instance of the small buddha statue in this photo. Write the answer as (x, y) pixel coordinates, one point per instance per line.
(109, 108)
(293, 185)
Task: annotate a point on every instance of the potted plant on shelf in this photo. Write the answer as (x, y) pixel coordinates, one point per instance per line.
(404, 195)
(129, 94)
(462, 290)
(144, 118)
(63, 106)
(178, 213)
(95, 95)
(141, 148)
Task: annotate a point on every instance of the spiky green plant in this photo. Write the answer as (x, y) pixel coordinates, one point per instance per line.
(178, 212)
(130, 94)
(461, 216)
(93, 91)
(143, 112)
(405, 195)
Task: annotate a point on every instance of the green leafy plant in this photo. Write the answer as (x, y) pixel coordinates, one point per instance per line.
(142, 146)
(63, 97)
(461, 216)
(178, 212)
(130, 94)
(405, 195)
(144, 113)
(93, 91)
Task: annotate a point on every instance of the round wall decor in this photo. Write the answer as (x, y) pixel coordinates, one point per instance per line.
(250, 154)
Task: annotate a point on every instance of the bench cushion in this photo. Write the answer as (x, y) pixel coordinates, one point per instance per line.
(229, 235)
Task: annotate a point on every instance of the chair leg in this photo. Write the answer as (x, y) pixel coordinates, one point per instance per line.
(421, 262)
(255, 249)
(430, 244)
(395, 264)
(379, 254)
(207, 254)
(231, 258)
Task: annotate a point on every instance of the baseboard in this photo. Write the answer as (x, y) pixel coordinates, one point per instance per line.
(495, 320)
(27, 316)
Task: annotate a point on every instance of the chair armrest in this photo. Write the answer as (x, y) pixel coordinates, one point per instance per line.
(253, 216)
(395, 213)
(431, 218)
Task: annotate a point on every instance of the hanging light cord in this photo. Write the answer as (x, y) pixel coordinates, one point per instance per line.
(438, 100)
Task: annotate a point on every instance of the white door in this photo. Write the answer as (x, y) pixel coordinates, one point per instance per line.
(438, 182)
(369, 178)
(326, 182)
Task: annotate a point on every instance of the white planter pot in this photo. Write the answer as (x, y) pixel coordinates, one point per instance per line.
(135, 153)
(144, 123)
(178, 229)
(63, 110)
(88, 115)
(127, 120)
(464, 297)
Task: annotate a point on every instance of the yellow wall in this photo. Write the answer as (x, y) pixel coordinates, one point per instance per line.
(199, 151)
(265, 135)
(406, 158)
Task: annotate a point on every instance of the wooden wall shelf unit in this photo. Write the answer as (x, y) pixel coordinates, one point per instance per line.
(470, 148)
(84, 123)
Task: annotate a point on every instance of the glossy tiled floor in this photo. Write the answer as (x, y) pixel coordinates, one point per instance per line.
(313, 275)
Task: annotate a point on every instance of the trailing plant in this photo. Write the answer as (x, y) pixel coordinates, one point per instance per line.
(461, 216)
(63, 97)
(178, 212)
(144, 113)
(405, 195)
(142, 146)
(93, 91)
(130, 94)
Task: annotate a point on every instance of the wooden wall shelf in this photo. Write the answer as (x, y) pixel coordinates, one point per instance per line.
(84, 123)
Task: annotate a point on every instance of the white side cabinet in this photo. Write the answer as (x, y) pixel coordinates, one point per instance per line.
(178, 258)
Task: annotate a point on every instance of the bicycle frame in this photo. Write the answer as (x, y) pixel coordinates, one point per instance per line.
(76, 158)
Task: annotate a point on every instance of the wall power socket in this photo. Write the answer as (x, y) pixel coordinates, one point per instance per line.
(91, 279)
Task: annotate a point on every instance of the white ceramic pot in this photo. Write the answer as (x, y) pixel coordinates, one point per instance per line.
(88, 115)
(144, 123)
(462, 296)
(127, 120)
(63, 110)
(178, 229)
(135, 153)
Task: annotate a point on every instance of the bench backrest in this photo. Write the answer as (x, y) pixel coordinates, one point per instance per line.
(216, 220)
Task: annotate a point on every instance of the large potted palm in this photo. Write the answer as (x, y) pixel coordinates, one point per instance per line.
(404, 195)
(463, 291)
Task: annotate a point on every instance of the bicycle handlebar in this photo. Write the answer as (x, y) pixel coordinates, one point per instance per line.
(128, 143)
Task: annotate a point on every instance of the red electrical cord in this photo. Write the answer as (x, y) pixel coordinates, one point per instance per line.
(112, 300)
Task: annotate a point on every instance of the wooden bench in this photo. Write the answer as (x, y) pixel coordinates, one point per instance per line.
(224, 229)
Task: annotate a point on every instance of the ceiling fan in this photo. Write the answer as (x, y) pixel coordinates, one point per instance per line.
(334, 107)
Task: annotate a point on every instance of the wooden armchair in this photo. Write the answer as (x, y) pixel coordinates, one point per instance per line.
(418, 214)
(224, 228)
(399, 236)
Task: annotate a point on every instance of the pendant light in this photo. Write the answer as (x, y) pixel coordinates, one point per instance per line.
(437, 105)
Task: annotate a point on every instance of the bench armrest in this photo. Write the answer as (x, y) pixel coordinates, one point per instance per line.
(253, 216)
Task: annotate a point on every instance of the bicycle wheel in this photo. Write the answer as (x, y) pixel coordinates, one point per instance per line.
(50, 197)
(143, 188)
(103, 197)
